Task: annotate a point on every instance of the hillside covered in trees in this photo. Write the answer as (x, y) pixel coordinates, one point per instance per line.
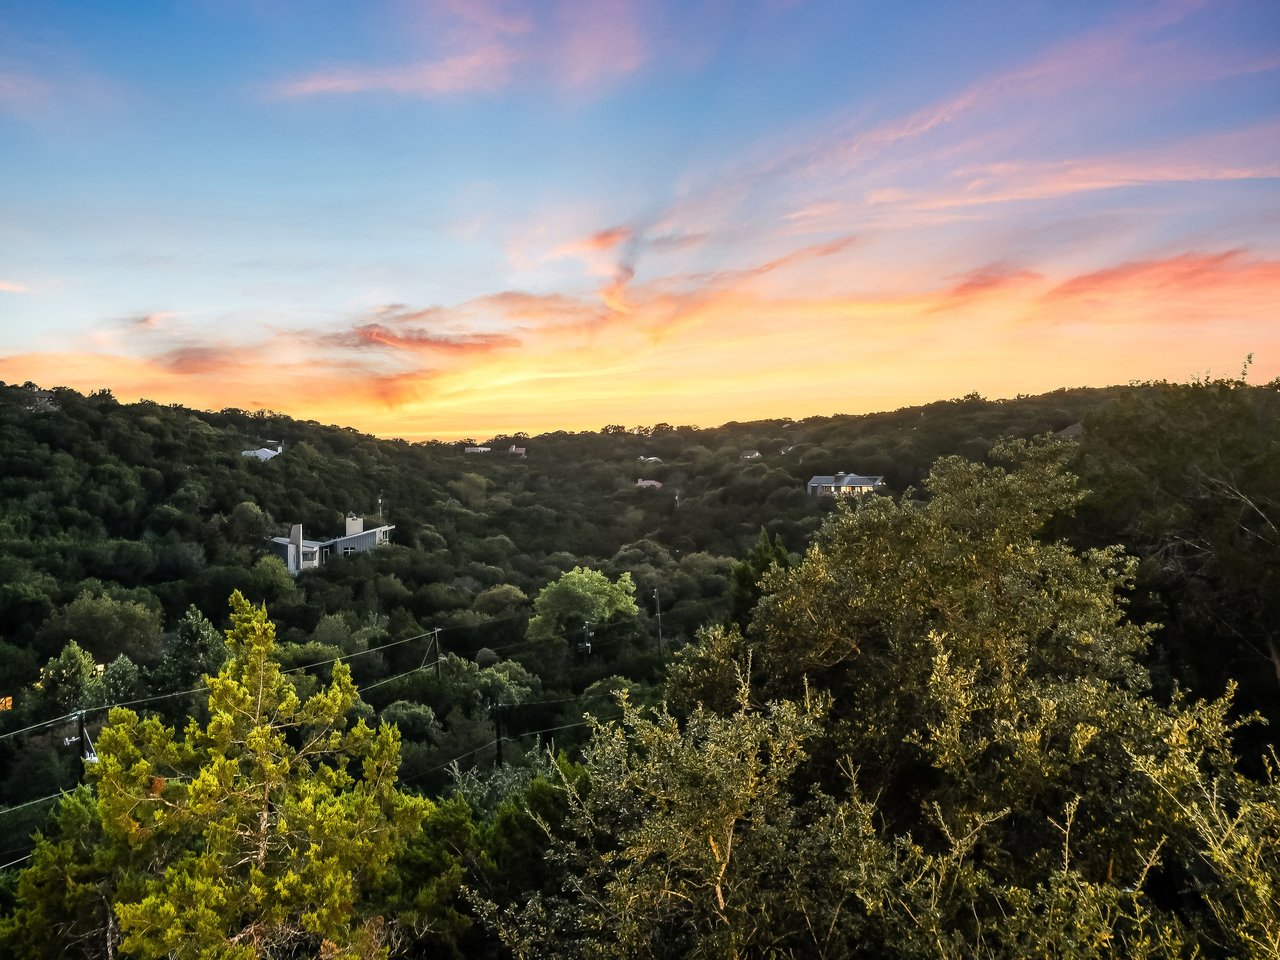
(1022, 703)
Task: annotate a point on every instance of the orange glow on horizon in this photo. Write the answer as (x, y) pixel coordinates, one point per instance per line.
(730, 350)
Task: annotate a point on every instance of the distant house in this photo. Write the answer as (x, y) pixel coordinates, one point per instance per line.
(300, 554)
(649, 459)
(476, 449)
(749, 455)
(649, 484)
(40, 401)
(515, 451)
(269, 449)
(844, 485)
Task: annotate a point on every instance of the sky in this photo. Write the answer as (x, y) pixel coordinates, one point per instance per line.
(466, 218)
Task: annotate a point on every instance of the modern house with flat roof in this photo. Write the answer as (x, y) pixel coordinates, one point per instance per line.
(300, 554)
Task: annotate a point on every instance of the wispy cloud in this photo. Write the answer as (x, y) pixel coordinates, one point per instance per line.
(417, 340)
(484, 47)
(8, 286)
(147, 321)
(21, 92)
(1179, 277)
(484, 68)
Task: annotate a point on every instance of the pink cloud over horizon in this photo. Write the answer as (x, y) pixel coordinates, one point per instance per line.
(567, 374)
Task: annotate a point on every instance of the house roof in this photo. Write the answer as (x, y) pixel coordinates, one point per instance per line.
(315, 544)
(846, 480)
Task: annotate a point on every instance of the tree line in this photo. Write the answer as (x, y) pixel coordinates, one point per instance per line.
(956, 721)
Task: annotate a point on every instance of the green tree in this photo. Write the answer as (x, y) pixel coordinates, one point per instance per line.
(262, 833)
(747, 575)
(70, 681)
(195, 649)
(106, 627)
(579, 595)
(982, 684)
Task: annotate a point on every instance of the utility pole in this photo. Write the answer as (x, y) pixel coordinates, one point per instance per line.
(585, 646)
(435, 645)
(657, 602)
(497, 734)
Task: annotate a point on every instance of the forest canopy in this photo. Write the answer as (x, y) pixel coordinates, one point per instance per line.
(1015, 705)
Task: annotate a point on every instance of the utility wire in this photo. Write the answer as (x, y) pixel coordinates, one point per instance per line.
(14, 863)
(201, 689)
(308, 666)
(493, 743)
(32, 803)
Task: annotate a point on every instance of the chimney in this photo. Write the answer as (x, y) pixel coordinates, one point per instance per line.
(295, 548)
(354, 524)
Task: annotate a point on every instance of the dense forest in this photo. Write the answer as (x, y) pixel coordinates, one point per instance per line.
(1022, 702)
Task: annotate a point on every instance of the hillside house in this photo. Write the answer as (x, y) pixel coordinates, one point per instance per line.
(269, 449)
(515, 451)
(649, 484)
(844, 485)
(749, 455)
(300, 554)
(40, 401)
(476, 449)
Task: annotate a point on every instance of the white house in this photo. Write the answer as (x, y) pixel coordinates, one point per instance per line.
(844, 485)
(299, 554)
(476, 449)
(649, 484)
(271, 448)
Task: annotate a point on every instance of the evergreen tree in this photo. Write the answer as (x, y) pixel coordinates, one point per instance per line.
(262, 833)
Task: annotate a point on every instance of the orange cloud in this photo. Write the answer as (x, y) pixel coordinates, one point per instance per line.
(7, 286)
(1189, 274)
(605, 239)
(418, 341)
(810, 330)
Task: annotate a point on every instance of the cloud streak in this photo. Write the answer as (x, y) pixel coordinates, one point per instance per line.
(579, 45)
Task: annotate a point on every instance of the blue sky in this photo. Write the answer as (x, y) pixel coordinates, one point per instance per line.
(483, 216)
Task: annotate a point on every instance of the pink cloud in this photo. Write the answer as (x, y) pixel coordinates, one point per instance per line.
(989, 278)
(487, 46)
(598, 40)
(7, 286)
(605, 239)
(484, 68)
(148, 321)
(1182, 276)
(21, 91)
(418, 341)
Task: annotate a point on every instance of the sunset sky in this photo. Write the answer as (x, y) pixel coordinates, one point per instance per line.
(449, 218)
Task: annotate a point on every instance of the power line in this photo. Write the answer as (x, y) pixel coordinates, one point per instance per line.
(493, 743)
(306, 666)
(201, 689)
(32, 803)
(37, 726)
(14, 863)
(421, 666)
